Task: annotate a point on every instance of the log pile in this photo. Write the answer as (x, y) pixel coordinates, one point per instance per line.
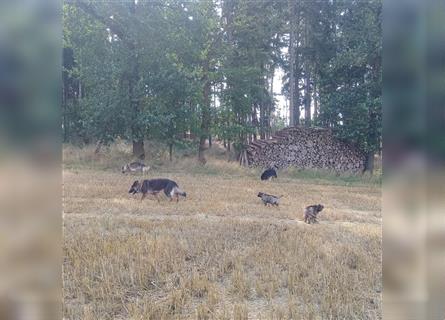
(306, 148)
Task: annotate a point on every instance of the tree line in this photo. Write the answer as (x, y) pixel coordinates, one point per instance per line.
(186, 71)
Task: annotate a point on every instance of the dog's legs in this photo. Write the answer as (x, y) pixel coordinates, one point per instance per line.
(143, 196)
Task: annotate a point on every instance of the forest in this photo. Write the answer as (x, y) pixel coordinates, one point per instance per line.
(185, 73)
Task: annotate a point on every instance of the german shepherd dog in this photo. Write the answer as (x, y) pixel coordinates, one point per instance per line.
(135, 167)
(154, 186)
(311, 212)
(269, 174)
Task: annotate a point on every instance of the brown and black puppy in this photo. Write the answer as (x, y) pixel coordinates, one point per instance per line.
(269, 199)
(310, 213)
(154, 186)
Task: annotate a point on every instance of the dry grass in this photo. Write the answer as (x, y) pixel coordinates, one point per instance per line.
(220, 254)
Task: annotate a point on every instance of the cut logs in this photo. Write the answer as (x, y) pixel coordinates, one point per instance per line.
(305, 148)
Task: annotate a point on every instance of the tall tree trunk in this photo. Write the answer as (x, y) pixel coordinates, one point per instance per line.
(137, 131)
(138, 149)
(272, 103)
(307, 80)
(369, 162)
(254, 119)
(98, 146)
(263, 112)
(315, 98)
(291, 49)
(170, 152)
(294, 103)
(65, 112)
(307, 98)
(261, 105)
(205, 115)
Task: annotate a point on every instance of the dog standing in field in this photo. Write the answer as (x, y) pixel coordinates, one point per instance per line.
(269, 199)
(154, 186)
(269, 174)
(310, 213)
(135, 167)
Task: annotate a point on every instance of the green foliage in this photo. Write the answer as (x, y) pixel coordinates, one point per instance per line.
(151, 69)
(251, 31)
(350, 77)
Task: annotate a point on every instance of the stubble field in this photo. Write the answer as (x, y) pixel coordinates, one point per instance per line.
(219, 254)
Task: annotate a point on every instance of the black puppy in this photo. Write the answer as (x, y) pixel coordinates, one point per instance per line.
(269, 174)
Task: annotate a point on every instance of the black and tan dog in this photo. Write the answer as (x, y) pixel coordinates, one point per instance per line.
(154, 186)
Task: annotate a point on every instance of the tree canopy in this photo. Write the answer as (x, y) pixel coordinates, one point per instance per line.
(184, 71)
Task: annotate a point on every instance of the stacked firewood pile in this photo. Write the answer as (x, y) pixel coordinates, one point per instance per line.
(308, 148)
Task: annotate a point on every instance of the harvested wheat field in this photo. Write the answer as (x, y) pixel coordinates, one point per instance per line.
(219, 254)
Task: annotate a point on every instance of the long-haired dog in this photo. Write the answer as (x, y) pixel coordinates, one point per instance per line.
(310, 213)
(154, 186)
(269, 174)
(135, 167)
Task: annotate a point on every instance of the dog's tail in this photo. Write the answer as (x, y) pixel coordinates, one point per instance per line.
(281, 196)
(173, 189)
